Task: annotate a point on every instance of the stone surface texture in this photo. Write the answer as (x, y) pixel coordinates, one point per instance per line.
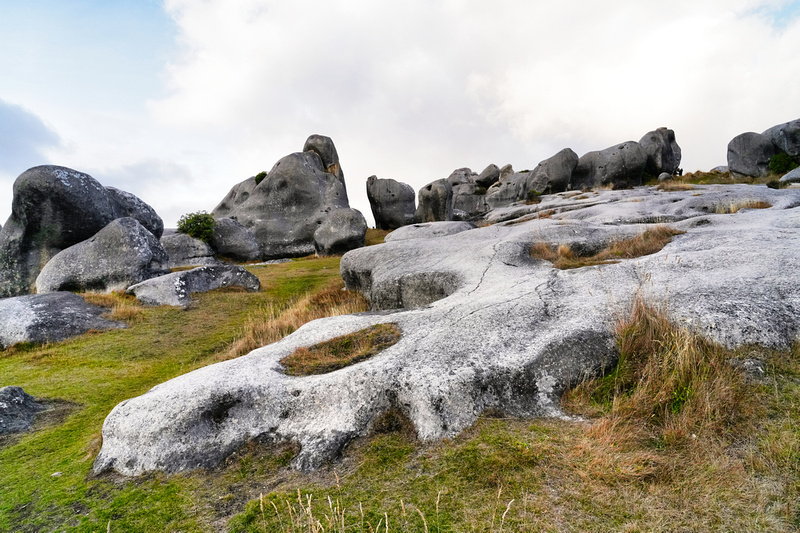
(391, 201)
(176, 289)
(17, 410)
(484, 326)
(50, 317)
(116, 257)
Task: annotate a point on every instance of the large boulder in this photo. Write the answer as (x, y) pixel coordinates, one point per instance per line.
(285, 209)
(177, 288)
(232, 240)
(663, 152)
(323, 146)
(489, 176)
(50, 317)
(620, 166)
(793, 176)
(391, 201)
(484, 326)
(435, 202)
(184, 250)
(550, 176)
(469, 198)
(342, 230)
(54, 208)
(786, 137)
(749, 154)
(17, 410)
(116, 257)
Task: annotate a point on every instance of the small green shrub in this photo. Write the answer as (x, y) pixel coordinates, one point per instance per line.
(781, 163)
(533, 197)
(199, 225)
(260, 177)
(777, 184)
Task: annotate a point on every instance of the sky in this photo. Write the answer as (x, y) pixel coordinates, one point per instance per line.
(177, 101)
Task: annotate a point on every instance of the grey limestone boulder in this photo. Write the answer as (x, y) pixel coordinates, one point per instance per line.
(484, 326)
(238, 195)
(793, 176)
(391, 201)
(468, 196)
(663, 152)
(786, 137)
(54, 208)
(749, 154)
(184, 250)
(17, 410)
(512, 188)
(116, 257)
(435, 202)
(505, 170)
(232, 240)
(619, 166)
(488, 177)
(553, 175)
(323, 146)
(342, 230)
(176, 289)
(50, 317)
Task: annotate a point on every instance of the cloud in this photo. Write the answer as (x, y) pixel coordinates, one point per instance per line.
(24, 138)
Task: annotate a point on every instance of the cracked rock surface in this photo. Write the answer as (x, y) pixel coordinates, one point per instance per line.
(484, 325)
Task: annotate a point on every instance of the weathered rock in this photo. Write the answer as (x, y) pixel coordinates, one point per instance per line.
(619, 166)
(488, 177)
(663, 152)
(391, 201)
(116, 257)
(665, 177)
(184, 250)
(176, 288)
(17, 410)
(232, 240)
(506, 170)
(287, 207)
(793, 176)
(721, 168)
(428, 230)
(553, 175)
(509, 333)
(786, 137)
(749, 154)
(54, 208)
(325, 149)
(468, 196)
(342, 230)
(510, 189)
(50, 317)
(435, 202)
(238, 195)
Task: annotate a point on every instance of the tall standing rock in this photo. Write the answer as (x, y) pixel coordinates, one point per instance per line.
(54, 208)
(435, 202)
(469, 198)
(619, 167)
(749, 154)
(391, 201)
(663, 152)
(326, 150)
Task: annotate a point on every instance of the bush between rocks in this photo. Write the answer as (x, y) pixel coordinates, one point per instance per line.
(199, 225)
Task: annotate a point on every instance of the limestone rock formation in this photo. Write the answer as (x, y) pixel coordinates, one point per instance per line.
(17, 410)
(663, 152)
(469, 198)
(619, 166)
(793, 176)
(786, 138)
(508, 332)
(749, 154)
(435, 202)
(391, 201)
(119, 255)
(428, 230)
(550, 176)
(342, 230)
(50, 317)
(323, 146)
(488, 177)
(54, 208)
(184, 250)
(232, 240)
(176, 288)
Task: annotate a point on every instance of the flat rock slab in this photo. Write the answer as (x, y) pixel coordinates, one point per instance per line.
(50, 317)
(176, 288)
(17, 410)
(484, 326)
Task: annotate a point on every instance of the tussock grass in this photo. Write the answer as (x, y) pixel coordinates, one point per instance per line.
(341, 351)
(674, 185)
(123, 307)
(649, 242)
(737, 205)
(273, 322)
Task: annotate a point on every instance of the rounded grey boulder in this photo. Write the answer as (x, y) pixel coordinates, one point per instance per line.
(620, 166)
(119, 255)
(232, 240)
(749, 154)
(391, 201)
(663, 152)
(786, 137)
(468, 197)
(435, 202)
(17, 410)
(488, 177)
(184, 250)
(343, 230)
(176, 288)
(792, 176)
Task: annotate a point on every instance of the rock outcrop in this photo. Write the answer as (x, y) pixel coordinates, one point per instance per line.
(507, 332)
(488, 177)
(184, 250)
(786, 138)
(620, 166)
(663, 152)
(177, 288)
(17, 410)
(342, 230)
(119, 255)
(469, 198)
(749, 154)
(391, 201)
(232, 240)
(550, 176)
(50, 317)
(54, 208)
(435, 202)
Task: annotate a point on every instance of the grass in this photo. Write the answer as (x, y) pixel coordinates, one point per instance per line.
(122, 307)
(341, 351)
(737, 205)
(673, 185)
(649, 242)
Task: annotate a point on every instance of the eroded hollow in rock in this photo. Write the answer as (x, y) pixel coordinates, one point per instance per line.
(341, 351)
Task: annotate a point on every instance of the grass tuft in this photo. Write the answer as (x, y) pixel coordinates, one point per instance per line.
(123, 307)
(673, 185)
(736, 206)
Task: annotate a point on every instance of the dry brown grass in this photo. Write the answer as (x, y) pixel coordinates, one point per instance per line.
(672, 186)
(273, 323)
(341, 351)
(123, 307)
(649, 242)
(736, 205)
